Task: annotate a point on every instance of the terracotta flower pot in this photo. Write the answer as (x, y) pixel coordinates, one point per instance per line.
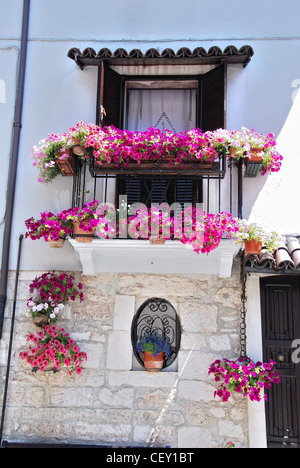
(56, 244)
(66, 166)
(253, 247)
(81, 235)
(232, 152)
(156, 240)
(256, 154)
(153, 363)
(77, 149)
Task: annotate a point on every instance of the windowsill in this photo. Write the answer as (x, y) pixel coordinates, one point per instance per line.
(143, 378)
(139, 256)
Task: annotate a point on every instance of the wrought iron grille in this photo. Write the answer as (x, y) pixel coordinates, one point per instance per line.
(157, 316)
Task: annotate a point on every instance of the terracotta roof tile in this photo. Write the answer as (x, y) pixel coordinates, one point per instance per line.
(286, 257)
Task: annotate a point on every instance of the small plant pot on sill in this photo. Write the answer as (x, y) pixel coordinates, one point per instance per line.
(153, 363)
(253, 247)
(83, 236)
(156, 240)
(56, 244)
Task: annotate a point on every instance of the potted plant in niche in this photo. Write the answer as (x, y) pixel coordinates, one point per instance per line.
(153, 349)
(254, 237)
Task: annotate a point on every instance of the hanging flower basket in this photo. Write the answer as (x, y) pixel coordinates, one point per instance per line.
(41, 320)
(244, 377)
(66, 161)
(254, 161)
(52, 349)
(54, 229)
(56, 244)
(49, 292)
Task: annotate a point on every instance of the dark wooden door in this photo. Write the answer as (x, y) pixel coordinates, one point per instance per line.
(280, 304)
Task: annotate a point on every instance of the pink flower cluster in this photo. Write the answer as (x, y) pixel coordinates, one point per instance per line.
(49, 226)
(245, 139)
(56, 146)
(214, 228)
(203, 231)
(86, 217)
(55, 287)
(53, 347)
(120, 147)
(245, 377)
(53, 227)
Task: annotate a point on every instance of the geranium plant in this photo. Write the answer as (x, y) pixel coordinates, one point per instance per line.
(49, 292)
(49, 227)
(245, 377)
(52, 349)
(247, 231)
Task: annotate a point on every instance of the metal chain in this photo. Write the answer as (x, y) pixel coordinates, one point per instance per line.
(243, 336)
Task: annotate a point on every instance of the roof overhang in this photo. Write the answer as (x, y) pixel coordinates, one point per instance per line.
(184, 56)
(285, 260)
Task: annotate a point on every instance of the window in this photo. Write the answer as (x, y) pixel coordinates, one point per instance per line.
(157, 316)
(208, 90)
(175, 102)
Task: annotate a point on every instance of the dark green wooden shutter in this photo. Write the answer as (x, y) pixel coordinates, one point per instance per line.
(212, 99)
(110, 96)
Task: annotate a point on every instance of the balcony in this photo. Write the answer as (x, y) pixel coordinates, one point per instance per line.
(218, 188)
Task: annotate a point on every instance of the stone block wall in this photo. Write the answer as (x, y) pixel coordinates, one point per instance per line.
(114, 402)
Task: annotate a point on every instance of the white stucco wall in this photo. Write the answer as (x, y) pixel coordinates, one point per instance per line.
(58, 94)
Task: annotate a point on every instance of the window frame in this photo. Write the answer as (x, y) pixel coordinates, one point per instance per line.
(113, 85)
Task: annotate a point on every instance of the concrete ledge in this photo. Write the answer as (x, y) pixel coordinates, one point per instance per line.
(163, 379)
(139, 256)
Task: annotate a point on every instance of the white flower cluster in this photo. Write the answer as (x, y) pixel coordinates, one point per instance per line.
(55, 308)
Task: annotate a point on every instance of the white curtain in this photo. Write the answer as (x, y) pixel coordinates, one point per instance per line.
(173, 109)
